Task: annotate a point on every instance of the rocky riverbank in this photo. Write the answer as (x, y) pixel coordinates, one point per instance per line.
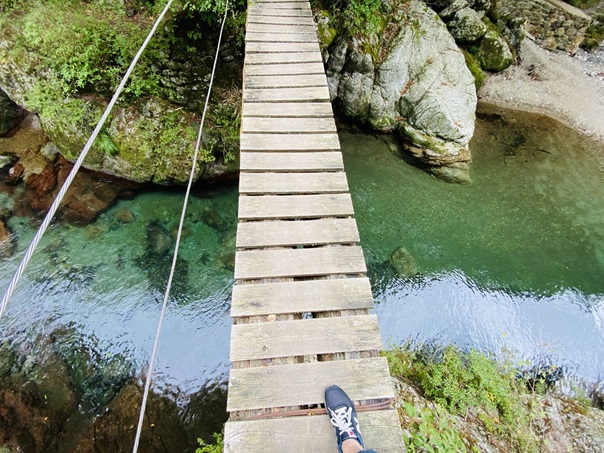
(568, 88)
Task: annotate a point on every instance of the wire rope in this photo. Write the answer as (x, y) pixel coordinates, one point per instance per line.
(55, 205)
(177, 245)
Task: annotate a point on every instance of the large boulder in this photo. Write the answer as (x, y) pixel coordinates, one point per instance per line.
(421, 88)
(467, 25)
(493, 53)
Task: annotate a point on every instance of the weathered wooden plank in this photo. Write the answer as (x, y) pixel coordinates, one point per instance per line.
(275, 8)
(298, 94)
(304, 383)
(295, 206)
(290, 125)
(299, 232)
(280, 28)
(280, 37)
(277, 162)
(266, 340)
(278, 20)
(281, 5)
(289, 142)
(284, 81)
(288, 109)
(255, 264)
(285, 69)
(289, 12)
(308, 296)
(258, 47)
(381, 431)
(291, 57)
(292, 183)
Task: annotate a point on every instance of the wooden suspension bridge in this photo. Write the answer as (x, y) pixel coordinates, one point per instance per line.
(301, 301)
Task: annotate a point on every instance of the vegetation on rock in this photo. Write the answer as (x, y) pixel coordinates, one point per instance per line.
(73, 54)
(450, 400)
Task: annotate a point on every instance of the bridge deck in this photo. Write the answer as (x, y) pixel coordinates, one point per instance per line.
(301, 301)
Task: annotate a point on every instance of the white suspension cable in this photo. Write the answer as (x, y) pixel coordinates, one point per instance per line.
(55, 205)
(177, 245)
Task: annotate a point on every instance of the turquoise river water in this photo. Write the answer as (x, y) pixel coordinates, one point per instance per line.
(513, 261)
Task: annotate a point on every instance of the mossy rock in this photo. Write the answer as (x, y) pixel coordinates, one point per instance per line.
(480, 77)
(325, 32)
(493, 52)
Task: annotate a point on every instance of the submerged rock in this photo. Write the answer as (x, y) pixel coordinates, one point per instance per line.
(418, 85)
(211, 217)
(403, 263)
(125, 215)
(90, 193)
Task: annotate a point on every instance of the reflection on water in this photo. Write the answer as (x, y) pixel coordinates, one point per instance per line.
(512, 261)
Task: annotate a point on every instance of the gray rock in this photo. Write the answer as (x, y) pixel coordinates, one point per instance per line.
(450, 10)
(358, 61)
(337, 57)
(422, 88)
(354, 94)
(467, 25)
(49, 151)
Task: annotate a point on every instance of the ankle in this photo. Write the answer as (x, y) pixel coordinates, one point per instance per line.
(351, 446)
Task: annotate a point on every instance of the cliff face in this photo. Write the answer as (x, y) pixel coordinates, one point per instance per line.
(64, 67)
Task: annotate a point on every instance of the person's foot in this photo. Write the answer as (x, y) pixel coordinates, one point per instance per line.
(342, 415)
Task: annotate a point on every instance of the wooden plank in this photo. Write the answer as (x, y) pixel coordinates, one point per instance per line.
(304, 383)
(256, 264)
(308, 296)
(295, 206)
(290, 12)
(291, 57)
(278, 20)
(292, 183)
(276, 8)
(280, 28)
(289, 142)
(281, 5)
(277, 162)
(281, 37)
(299, 232)
(285, 69)
(288, 109)
(381, 431)
(267, 340)
(290, 125)
(283, 81)
(255, 47)
(299, 94)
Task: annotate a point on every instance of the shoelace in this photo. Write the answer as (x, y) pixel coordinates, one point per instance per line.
(341, 418)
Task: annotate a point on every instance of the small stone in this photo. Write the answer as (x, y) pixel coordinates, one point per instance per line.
(125, 216)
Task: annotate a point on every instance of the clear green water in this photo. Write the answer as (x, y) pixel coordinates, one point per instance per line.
(513, 261)
(100, 280)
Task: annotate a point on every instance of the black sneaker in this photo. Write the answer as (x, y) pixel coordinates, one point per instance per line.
(342, 415)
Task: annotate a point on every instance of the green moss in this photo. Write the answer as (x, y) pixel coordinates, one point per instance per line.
(594, 35)
(479, 76)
